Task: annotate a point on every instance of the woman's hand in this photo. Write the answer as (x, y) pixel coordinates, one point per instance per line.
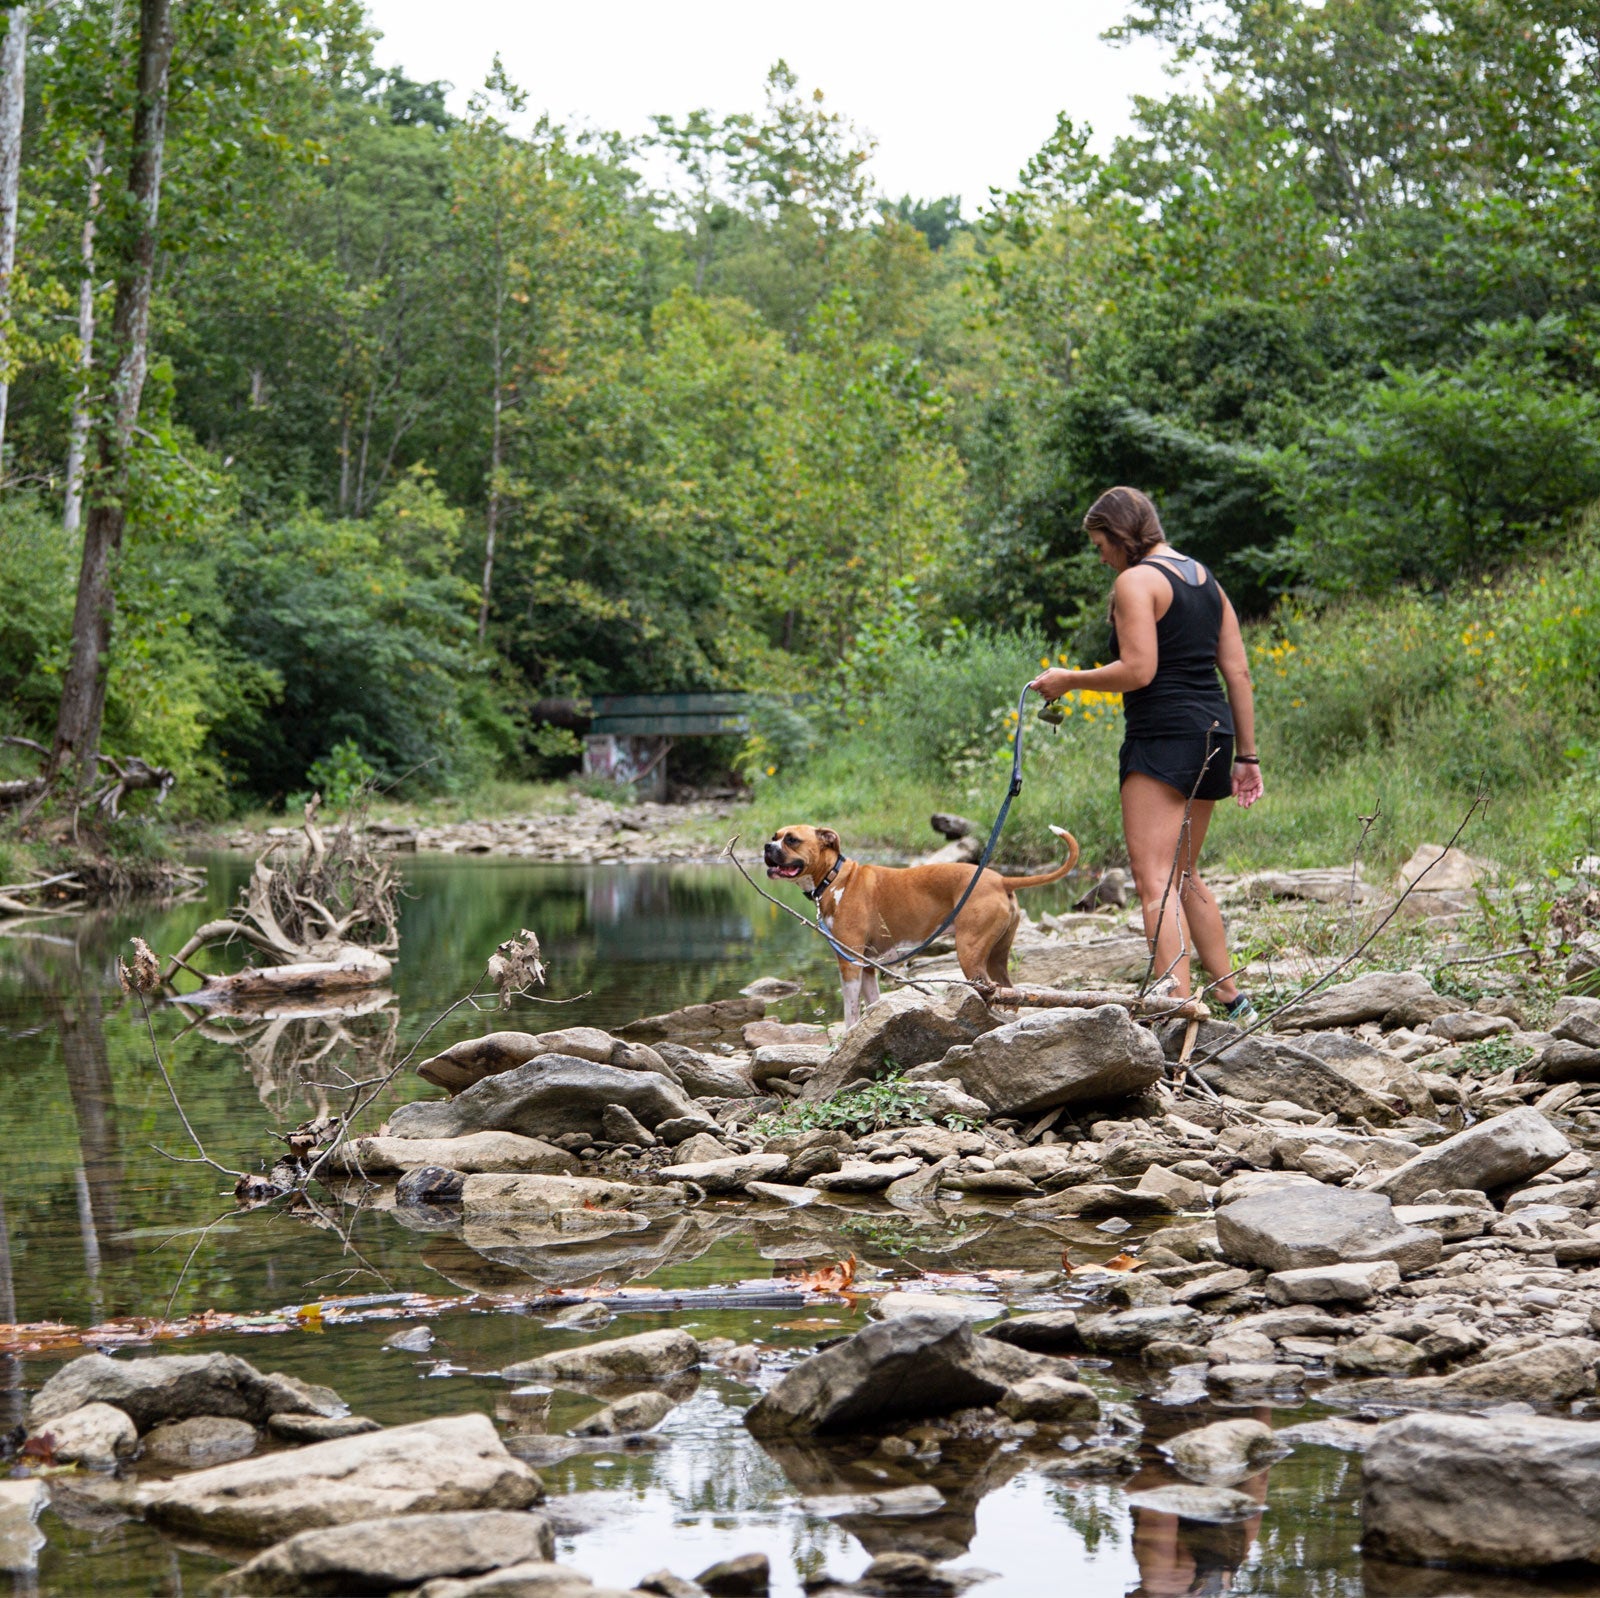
(1246, 784)
(1052, 684)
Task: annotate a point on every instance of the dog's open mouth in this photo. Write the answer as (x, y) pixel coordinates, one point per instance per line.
(788, 869)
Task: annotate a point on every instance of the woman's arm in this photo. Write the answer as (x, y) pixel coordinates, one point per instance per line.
(1133, 602)
(1233, 661)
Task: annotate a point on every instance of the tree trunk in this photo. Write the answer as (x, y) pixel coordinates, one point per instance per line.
(78, 427)
(492, 517)
(13, 84)
(83, 692)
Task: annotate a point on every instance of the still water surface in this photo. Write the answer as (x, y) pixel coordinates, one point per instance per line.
(98, 1224)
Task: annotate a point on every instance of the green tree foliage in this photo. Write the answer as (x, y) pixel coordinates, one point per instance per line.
(452, 413)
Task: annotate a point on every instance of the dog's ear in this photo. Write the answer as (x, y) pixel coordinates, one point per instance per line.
(827, 837)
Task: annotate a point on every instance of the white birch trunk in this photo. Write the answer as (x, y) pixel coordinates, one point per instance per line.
(13, 87)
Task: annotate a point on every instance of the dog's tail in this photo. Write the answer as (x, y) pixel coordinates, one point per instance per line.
(1013, 883)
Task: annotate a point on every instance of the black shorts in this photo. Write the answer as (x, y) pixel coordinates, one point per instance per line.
(1180, 762)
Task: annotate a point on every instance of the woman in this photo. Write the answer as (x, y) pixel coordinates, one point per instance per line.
(1172, 630)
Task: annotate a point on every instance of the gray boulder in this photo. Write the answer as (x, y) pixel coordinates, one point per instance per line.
(1397, 998)
(532, 1579)
(638, 1412)
(1051, 1057)
(1493, 1154)
(1560, 1369)
(177, 1386)
(1259, 1071)
(926, 1363)
(548, 1097)
(722, 1018)
(729, 1175)
(706, 1079)
(1219, 1506)
(200, 1441)
(97, 1437)
(20, 1537)
(864, 1176)
(1289, 1228)
(1515, 1492)
(647, 1356)
(479, 1151)
(1048, 1331)
(541, 1197)
(1132, 1330)
(1224, 1452)
(1055, 1400)
(1073, 962)
(906, 1027)
(773, 1061)
(432, 1466)
(379, 1556)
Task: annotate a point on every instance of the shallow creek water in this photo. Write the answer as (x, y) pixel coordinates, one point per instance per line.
(97, 1224)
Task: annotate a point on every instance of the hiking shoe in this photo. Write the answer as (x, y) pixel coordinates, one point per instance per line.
(1242, 1012)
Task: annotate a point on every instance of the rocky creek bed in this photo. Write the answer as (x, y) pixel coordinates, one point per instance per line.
(1325, 1324)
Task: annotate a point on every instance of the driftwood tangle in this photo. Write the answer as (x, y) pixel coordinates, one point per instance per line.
(323, 916)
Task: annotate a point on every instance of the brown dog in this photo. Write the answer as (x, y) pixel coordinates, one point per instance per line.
(875, 910)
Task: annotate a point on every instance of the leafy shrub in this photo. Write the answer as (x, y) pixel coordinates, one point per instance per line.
(872, 1107)
(341, 774)
(370, 633)
(1436, 473)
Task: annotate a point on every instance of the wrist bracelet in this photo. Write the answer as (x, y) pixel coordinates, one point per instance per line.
(1247, 760)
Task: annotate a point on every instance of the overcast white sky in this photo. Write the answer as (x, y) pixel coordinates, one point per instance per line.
(958, 97)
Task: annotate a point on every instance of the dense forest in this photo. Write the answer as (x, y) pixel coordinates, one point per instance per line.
(430, 417)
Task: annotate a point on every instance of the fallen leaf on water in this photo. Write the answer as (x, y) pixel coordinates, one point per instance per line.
(833, 1278)
(1123, 1262)
(310, 1317)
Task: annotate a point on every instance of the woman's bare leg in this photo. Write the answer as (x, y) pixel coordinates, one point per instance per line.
(1152, 821)
(1200, 912)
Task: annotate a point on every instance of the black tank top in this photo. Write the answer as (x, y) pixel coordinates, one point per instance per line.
(1185, 696)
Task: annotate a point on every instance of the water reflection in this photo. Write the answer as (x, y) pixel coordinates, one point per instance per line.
(94, 1222)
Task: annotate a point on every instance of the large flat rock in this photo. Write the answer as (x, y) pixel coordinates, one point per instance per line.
(538, 1198)
(646, 1356)
(547, 1098)
(1398, 998)
(1293, 1227)
(477, 1151)
(380, 1556)
(1513, 1492)
(177, 1386)
(927, 1362)
(432, 1466)
(1553, 1372)
(1052, 1057)
(1258, 1071)
(1493, 1154)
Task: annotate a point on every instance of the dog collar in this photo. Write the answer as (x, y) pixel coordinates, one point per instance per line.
(815, 894)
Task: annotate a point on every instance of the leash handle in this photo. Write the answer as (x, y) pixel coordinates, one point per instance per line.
(977, 871)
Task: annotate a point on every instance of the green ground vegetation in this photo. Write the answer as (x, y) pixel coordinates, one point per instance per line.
(453, 411)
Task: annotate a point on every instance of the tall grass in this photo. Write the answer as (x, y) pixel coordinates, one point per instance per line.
(1400, 707)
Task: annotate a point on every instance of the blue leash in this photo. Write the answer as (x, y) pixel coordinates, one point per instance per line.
(977, 871)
